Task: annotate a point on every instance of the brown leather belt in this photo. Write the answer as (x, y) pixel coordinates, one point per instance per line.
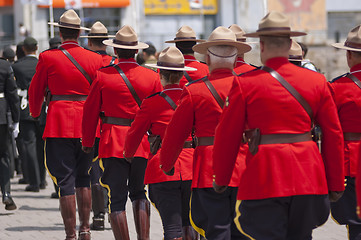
(351, 136)
(188, 144)
(204, 141)
(68, 97)
(117, 121)
(285, 138)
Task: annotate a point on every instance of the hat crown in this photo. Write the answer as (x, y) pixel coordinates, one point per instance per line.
(126, 34)
(222, 33)
(29, 41)
(185, 32)
(70, 17)
(274, 20)
(171, 56)
(97, 28)
(295, 50)
(354, 36)
(238, 31)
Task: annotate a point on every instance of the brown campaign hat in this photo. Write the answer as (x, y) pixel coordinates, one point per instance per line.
(222, 36)
(239, 33)
(274, 24)
(98, 30)
(185, 34)
(126, 38)
(69, 19)
(171, 59)
(353, 41)
(295, 52)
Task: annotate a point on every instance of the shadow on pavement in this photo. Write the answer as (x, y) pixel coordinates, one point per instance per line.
(29, 208)
(33, 228)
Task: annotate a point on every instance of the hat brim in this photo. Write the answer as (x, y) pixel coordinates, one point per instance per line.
(58, 25)
(185, 40)
(140, 45)
(275, 33)
(153, 65)
(241, 47)
(295, 60)
(107, 36)
(342, 46)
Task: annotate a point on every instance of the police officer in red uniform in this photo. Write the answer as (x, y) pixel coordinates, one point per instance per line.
(170, 194)
(346, 92)
(118, 92)
(67, 72)
(199, 110)
(184, 40)
(283, 191)
(98, 33)
(241, 66)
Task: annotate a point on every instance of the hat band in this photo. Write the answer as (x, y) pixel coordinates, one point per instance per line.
(184, 38)
(98, 34)
(296, 57)
(68, 24)
(222, 56)
(352, 45)
(274, 29)
(241, 39)
(175, 65)
(125, 42)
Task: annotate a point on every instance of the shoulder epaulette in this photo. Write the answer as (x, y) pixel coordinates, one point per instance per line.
(256, 68)
(154, 94)
(341, 76)
(194, 81)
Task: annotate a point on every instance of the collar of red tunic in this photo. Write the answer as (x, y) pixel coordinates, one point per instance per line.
(220, 73)
(189, 58)
(240, 60)
(276, 62)
(129, 60)
(355, 68)
(169, 86)
(69, 42)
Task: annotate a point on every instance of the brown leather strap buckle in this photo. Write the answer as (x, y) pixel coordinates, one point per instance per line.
(188, 144)
(351, 136)
(68, 97)
(204, 141)
(117, 121)
(285, 138)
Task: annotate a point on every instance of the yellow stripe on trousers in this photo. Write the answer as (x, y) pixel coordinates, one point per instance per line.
(198, 229)
(236, 220)
(46, 166)
(105, 185)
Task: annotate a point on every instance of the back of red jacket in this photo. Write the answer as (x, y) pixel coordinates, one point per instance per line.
(202, 70)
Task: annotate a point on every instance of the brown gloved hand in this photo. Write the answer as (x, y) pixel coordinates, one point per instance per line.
(334, 196)
(128, 159)
(219, 189)
(87, 149)
(169, 173)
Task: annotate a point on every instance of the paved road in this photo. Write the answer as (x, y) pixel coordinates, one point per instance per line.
(38, 217)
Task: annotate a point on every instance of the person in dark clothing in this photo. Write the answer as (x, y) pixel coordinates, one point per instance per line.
(8, 98)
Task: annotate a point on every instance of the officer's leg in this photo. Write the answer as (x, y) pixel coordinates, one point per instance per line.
(188, 231)
(141, 206)
(306, 213)
(40, 154)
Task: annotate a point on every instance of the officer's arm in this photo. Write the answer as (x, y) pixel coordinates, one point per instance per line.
(11, 95)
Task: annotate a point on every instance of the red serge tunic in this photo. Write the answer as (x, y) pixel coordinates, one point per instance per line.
(110, 94)
(57, 72)
(198, 110)
(258, 100)
(242, 66)
(347, 96)
(155, 114)
(202, 69)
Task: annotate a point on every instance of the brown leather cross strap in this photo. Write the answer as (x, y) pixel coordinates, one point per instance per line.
(68, 97)
(204, 141)
(351, 136)
(77, 65)
(290, 89)
(169, 100)
(117, 121)
(285, 138)
(129, 85)
(186, 75)
(354, 79)
(213, 91)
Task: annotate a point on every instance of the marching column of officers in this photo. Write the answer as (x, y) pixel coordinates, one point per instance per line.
(225, 148)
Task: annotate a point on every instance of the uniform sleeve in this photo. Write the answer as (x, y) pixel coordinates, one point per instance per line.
(177, 131)
(228, 135)
(332, 141)
(91, 111)
(139, 127)
(11, 96)
(37, 87)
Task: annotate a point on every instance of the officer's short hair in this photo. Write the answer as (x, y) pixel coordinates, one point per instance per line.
(126, 53)
(276, 42)
(172, 77)
(150, 50)
(69, 33)
(185, 47)
(97, 41)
